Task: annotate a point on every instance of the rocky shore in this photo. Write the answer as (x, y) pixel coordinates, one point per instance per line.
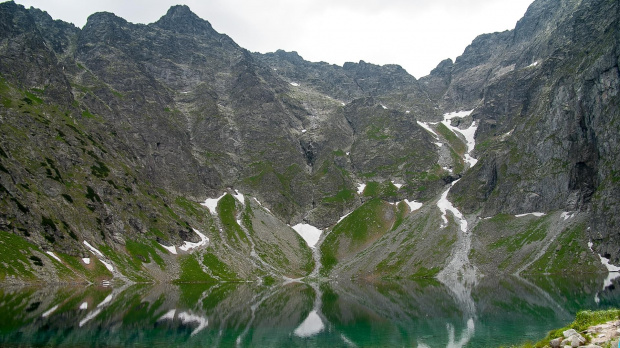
(598, 336)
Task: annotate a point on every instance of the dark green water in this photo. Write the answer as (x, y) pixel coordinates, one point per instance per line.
(345, 314)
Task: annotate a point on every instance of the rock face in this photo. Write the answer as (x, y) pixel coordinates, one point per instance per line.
(115, 133)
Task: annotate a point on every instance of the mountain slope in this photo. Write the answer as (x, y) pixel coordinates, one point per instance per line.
(168, 152)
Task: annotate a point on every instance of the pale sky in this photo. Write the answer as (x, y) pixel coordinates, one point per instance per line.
(416, 34)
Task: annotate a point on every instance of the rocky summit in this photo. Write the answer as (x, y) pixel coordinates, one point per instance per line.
(167, 152)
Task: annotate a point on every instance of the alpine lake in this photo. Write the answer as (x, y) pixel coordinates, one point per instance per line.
(422, 313)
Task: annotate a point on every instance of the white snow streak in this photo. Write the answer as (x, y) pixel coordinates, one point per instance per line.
(360, 188)
(342, 218)
(107, 265)
(567, 215)
(468, 133)
(50, 311)
(84, 306)
(445, 205)
(95, 251)
(398, 186)
(169, 315)
(53, 255)
(311, 326)
(190, 245)
(294, 84)
(211, 203)
(428, 128)
(537, 214)
(413, 205)
(611, 269)
(86, 260)
(171, 249)
(309, 233)
(189, 318)
(239, 197)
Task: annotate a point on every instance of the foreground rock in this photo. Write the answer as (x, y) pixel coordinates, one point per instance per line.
(600, 336)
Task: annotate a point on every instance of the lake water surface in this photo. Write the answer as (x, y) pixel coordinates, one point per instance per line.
(337, 314)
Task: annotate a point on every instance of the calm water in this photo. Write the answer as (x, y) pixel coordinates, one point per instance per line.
(343, 314)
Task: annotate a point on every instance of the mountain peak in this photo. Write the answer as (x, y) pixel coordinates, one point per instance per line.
(180, 18)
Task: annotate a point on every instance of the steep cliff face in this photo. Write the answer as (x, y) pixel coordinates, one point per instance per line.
(140, 139)
(548, 115)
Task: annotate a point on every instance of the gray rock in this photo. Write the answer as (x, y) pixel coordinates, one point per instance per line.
(556, 342)
(570, 332)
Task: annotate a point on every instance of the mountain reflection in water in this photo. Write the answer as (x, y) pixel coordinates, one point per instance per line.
(338, 314)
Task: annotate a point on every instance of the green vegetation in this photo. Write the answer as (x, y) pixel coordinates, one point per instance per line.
(535, 231)
(344, 195)
(565, 253)
(583, 320)
(191, 272)
(144, 253)
(455, 142)
(227, 211)
(218, 268)
(362, 226)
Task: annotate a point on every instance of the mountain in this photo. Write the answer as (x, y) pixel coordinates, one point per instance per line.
(169, 152)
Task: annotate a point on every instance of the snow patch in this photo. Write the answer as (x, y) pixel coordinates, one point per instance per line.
(50, 311)
(533, 64)
(537, 214)
(384, 107)
(360, 188)
(611, 269)
(428, 128)
(259, 203)
(84, 306)
(53, 255)
(468, 133)
(294, 84)
(86, 260)
(413, 205)
(348, 153)
(211, 203)
(609, 266)
(398, 186)
(438, 144)
(342, 217)
(105, 301)
(407, 112)
(311, 326)
(107, 265)
(171, 249)
(309, 233)
(457, 114)
(304, 130)
(190, 318)
(89, 317)
(190, 245)
(567, 215)
(95, 251)
(445, 205)
(239, 196)
(168, 315)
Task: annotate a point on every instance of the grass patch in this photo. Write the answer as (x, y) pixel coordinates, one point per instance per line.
(583, 320)
(227, 210)
(361, 226)
(218, 267)
(144, 253)
(191, 272)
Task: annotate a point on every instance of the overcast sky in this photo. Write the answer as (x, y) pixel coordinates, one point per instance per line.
(416, 34)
